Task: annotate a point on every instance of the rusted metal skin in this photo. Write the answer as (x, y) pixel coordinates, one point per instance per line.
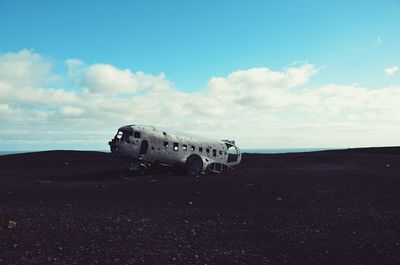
(148, 145)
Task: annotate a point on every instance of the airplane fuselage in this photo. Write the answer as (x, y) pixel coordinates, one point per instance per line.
(148, 145)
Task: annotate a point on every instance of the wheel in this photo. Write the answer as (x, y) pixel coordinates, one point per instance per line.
(194, 165)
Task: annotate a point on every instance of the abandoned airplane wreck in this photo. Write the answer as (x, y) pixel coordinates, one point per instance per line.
(145, 146)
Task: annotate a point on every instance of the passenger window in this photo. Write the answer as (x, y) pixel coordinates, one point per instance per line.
(192, 148)
(184, 147)
(207, 150)
(165, 144)
(136, 135)
(220, 152)
(214, 152)
(176, 146)
(200, 149)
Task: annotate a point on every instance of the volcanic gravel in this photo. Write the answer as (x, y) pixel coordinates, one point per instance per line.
(331, 207)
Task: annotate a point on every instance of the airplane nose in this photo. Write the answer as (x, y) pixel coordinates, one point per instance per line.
(114, 147)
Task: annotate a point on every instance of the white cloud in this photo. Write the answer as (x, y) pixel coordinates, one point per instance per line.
(259, 107)
(73, 62)
(261, 87)
(105, 78)
(378, 41)
(24, 68)
(71, 111)
(391, 70)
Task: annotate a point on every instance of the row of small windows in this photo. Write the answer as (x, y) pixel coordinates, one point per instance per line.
(192, 148)
(136, 134)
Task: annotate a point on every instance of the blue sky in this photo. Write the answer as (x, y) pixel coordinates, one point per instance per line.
(191, 41)
(348, 43)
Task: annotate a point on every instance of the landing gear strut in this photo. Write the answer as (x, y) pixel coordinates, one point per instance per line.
(137, 168)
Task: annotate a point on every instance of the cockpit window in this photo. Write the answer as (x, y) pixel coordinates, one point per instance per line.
(119, 135)
(136, 134)
(123, 135)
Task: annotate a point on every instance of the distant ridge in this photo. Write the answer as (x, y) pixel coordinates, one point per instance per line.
(281, 150)
(42, 151)
(245, 150)
(372, 150)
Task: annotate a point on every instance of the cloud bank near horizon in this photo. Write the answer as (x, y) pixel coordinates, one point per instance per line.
(259, 107)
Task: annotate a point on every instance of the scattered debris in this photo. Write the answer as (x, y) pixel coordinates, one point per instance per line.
(196, 193)
(12, 224)
(387, 165)
(43, 182)
(278, 199)
(154, 180)
(66, 163)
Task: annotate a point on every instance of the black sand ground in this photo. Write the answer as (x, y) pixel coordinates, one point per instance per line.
(334, 207)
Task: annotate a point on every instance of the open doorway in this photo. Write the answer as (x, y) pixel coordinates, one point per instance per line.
(233, 154)
(144, 147)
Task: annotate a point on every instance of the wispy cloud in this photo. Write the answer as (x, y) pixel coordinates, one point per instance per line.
(392, 70)
(378, 41)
